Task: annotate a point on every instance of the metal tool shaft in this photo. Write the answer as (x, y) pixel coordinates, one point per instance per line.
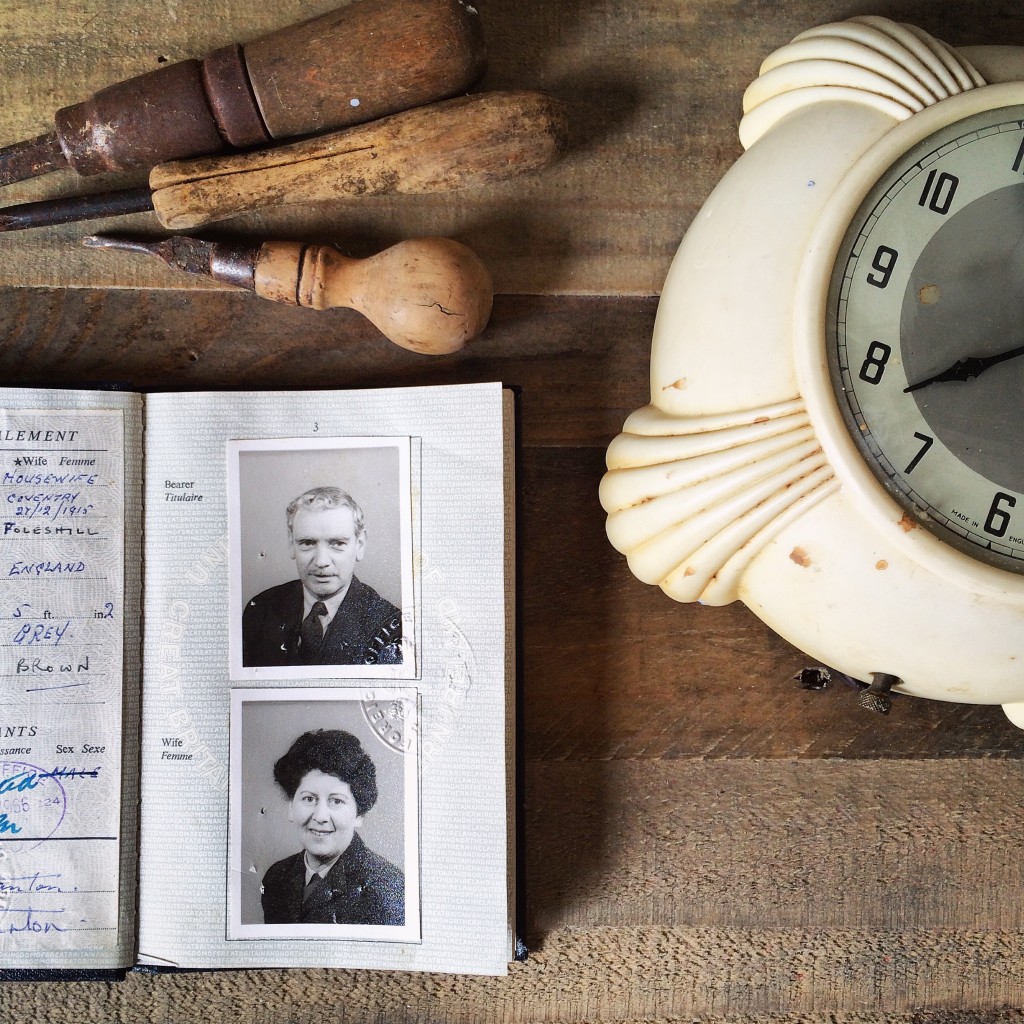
(31, 158)
(73, 208)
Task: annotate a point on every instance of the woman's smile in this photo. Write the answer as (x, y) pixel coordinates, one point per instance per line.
(325, 811)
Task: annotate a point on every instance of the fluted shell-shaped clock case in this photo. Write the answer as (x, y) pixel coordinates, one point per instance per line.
(771, 464)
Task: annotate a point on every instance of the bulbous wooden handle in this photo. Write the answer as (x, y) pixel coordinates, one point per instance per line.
(429, 295)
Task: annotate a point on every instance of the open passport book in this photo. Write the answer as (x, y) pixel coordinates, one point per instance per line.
(258, 677)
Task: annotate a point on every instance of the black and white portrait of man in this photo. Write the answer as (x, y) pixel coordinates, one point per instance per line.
(323, 586)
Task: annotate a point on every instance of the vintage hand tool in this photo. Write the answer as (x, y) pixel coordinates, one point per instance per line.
(363, 61)
(466, 141)
(429, 295)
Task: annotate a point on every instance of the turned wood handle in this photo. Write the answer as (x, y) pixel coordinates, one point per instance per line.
(468, 141)
(430, 295)
(363, 61)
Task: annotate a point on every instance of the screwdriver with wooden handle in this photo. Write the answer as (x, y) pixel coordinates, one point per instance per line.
(467, 141)
(362, 61)
(429, 295)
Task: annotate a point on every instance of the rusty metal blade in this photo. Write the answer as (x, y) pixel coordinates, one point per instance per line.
(231, 262)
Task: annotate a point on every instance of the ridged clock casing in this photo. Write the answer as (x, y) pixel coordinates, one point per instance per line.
(742, 479)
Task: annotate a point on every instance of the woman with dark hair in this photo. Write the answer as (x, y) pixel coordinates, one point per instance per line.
(331, 783)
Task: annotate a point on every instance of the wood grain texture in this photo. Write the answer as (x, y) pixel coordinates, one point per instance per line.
(686, 972)
(780, 845)
(703, 839)
(625, 975)
(434, 50)
(653, 91)
(447, 147)
(581, 366)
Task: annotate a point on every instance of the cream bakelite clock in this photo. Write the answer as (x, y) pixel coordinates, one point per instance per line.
(836, 427)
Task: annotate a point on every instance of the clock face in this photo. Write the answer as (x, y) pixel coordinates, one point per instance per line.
(925, 334)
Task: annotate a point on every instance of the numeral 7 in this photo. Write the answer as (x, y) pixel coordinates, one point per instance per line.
(928, 442)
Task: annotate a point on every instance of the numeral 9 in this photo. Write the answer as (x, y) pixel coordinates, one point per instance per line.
(884, 263)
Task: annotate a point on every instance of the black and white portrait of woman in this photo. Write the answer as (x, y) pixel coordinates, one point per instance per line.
(335, 878)
(323, 814)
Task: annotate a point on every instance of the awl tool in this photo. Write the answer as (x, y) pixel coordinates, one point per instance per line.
(430, 295)
(363, 61)
(467, 141)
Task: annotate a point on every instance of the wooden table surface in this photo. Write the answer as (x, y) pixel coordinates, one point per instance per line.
(703, 839)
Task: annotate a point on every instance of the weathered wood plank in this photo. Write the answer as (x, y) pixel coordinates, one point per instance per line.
(650, 975)
(581, 364)
(883, 847)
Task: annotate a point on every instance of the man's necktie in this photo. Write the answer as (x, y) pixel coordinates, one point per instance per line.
(311, 632)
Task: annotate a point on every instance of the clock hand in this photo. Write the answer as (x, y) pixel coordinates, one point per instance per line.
(965, 369)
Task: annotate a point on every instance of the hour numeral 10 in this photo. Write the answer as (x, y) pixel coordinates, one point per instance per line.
(883, 264)
(938, 192)
(998, 517)
(1019, 159)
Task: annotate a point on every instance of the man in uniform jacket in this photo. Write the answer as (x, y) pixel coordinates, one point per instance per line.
(327, 616)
